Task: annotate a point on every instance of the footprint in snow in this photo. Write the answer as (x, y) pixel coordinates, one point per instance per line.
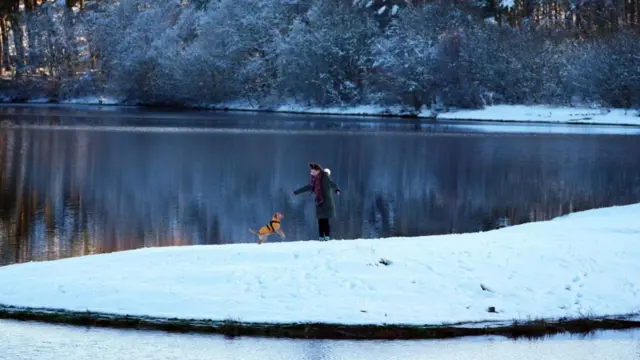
(428, 267)
(309, 276)
(579, 281)
(466, 268)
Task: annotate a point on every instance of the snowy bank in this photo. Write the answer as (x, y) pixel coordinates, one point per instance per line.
(547, 114)
(362, 110)
(581, 264)
(498, 113)
(92, 100)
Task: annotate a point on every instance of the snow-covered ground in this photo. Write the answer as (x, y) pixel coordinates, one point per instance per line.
(364, 110)
(358, 110)
(511, 113)
(89, 100)
(582, 264)
(547, 114)
(92, 100)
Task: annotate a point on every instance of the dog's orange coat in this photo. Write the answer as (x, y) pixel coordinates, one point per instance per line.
(273, 227)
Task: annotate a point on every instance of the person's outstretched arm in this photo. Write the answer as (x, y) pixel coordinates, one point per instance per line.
(303, 189)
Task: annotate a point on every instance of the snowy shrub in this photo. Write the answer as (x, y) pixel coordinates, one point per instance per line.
(519, 65)
(55, 39)
(132, 38)
(326, 56)
(576, 71)
(170, 80)
(606, 70)
(406, 55)
(235, 52)
(615, 70)
(459, 70)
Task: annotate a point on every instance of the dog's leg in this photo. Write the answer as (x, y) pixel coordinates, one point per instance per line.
(262, 238)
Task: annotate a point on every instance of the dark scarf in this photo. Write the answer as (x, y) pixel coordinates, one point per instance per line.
(316, 187)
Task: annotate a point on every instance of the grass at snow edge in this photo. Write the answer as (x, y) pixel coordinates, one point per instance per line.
(516, 329)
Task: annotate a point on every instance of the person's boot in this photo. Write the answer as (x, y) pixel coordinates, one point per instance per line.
(327, 238)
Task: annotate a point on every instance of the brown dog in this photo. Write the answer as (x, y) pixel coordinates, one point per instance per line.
(273, 227)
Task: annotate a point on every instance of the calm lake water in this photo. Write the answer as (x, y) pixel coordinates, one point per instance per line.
(80, 180)
(35, 341)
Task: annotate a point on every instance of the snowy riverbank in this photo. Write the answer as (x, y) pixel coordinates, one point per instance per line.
(547, 114)
(498, 113)
(581, 264)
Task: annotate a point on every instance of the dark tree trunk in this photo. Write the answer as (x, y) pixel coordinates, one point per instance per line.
(32, 38)
(18, 38)
(6, 57)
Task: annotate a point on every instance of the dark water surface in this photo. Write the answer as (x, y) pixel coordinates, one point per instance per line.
(76, 181)
(33, 341)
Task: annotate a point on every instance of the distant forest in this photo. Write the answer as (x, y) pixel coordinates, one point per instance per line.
(450, 53)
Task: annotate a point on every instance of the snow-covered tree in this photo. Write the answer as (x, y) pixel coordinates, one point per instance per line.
(406, 57)
(326, 57)
(487, 64)
(607, 71)
(458, 53)
(128, 35)
(234, 54)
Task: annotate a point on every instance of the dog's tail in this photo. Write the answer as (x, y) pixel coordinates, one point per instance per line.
(253, 231)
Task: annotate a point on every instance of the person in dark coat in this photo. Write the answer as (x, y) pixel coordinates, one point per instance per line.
(322, 188)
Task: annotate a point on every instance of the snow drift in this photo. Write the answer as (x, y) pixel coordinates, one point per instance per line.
(582, 264)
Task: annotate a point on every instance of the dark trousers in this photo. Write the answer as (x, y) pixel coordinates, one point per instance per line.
(323, 227)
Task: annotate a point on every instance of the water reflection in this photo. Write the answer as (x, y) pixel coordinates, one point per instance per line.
(40, 341)
(77, 192)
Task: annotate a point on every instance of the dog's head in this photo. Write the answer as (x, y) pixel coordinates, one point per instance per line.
(278, 215)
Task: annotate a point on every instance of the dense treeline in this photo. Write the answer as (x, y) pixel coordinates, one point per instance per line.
(324, 52)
